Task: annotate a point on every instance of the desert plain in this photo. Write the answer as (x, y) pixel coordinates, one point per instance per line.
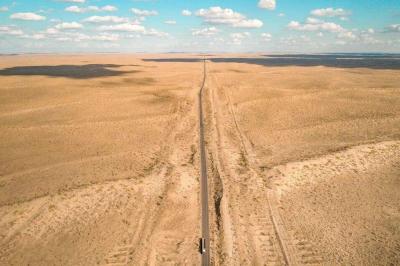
(99, 159)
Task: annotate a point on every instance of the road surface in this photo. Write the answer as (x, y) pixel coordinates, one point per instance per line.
(205, 234)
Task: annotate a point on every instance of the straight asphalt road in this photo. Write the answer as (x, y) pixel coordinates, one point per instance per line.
(205, 234)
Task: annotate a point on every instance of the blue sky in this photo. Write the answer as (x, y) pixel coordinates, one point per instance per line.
(309, 26)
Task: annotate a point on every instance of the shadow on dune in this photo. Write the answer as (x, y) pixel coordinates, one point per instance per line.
(67, 71)
(372, 61)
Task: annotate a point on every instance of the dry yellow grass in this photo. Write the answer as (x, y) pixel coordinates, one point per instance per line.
(327, 141)
(99, 161)
(88, 164)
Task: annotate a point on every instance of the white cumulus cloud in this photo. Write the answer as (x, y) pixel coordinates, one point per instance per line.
(27, 16)
(313, 21)
(106, 19)
(205, 32)
(105, 37)
(249, 23)
(238, 37)
(3, 9)
(52, 31)
(186, 12)
(79, 37)
(36, 36)
(393, 28)
(218, 15)
(320, 26)
(330, 12)
(315, 25)
(267, 4)
(77, 9)
(6, 30)
(68, 26)
(109, 8)
(154, 32)
(123, 27)
(266, 36)
(144, 13)
(347, 35)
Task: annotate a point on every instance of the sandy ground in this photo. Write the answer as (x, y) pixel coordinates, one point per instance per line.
(319, 144)
(99, 161)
